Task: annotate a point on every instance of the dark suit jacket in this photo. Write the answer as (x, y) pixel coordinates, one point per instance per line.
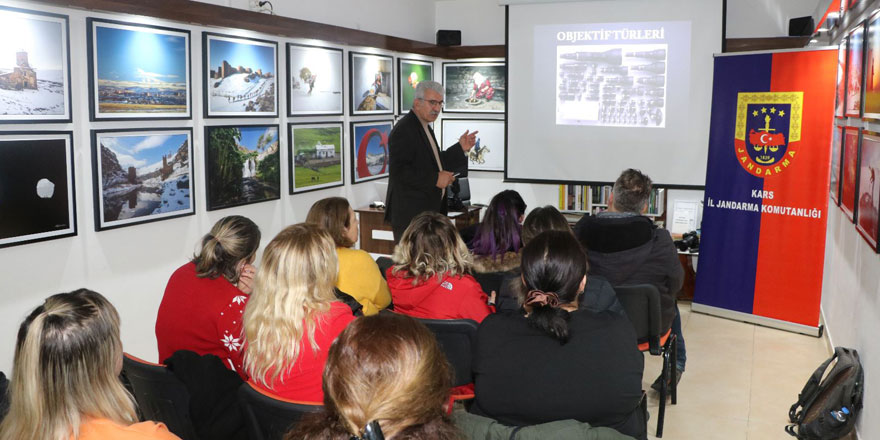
(412, 185)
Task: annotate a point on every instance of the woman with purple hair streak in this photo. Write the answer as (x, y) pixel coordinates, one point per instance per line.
(498, 240)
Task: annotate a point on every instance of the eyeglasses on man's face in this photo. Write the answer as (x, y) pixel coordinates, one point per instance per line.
(433, 102)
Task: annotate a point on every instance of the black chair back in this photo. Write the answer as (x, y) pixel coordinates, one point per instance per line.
(490, 281)
(384, 263)
(160, 395)
(269, 418)
(642, 305)
(457, 338)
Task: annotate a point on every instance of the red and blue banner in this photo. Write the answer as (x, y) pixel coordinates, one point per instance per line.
(765, 208)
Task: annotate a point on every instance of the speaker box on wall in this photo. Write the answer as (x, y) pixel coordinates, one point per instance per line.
(801, 26)
(448, 38)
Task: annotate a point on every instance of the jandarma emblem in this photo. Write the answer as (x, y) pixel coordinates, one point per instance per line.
(768, 131)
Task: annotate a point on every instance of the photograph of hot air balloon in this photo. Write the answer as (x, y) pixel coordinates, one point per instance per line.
(411, 72)
(475, 87)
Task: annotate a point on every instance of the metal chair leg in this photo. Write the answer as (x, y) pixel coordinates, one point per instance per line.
(674, 371)
(664, 388)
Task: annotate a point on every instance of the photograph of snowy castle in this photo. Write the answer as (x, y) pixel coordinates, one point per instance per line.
(125, 84)
(369, 150)
(314, 80)
(143, 175)
(37, 199)
(34, 71)
(239, 76)
(242, 165)
(315, 156)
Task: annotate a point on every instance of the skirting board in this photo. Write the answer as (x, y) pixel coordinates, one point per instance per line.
(758, 320)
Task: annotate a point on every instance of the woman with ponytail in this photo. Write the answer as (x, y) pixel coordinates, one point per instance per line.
(385, 378)
(556, 361)
(205, 298)
(65, 379)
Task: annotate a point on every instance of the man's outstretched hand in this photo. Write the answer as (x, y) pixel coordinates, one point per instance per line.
(467, 140)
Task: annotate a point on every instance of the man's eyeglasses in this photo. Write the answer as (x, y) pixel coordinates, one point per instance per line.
(433, 102)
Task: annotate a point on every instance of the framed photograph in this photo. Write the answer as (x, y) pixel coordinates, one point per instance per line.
(869, 187)
(371, 84)
(836, 141)
(37, 193)
(142, 175)
(488, 152)
(242, 165)
(137, 71)
(474, 87)
(840, 98)
(239, 76)
(315, 156)
(872, 69)
(314, 77)
(854, 63)
(34, 67)
(369, 150)
(850, 168)
(410, 73)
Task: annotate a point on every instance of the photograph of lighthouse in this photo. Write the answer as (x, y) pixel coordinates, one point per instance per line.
(34, 69)
(240, 76)
(141, 175)
(127, 85)
(242, 165)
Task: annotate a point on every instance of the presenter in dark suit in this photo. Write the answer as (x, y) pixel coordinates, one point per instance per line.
(419, 171)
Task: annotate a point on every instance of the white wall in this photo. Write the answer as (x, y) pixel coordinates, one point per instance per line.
(764, 18)
(851, 306)
(481, 22)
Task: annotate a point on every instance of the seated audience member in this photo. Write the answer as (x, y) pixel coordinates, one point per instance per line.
(626, 247)
(359, 275)
(598, 295)
(557, 361)
(65, 379)
(497, 241)
(385, 373)
(204, 299)
(293, 314)
(430, 278)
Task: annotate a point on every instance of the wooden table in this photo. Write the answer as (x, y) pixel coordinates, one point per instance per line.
(377, 237)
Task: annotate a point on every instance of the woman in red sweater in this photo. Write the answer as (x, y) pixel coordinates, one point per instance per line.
(204, 299)
(293, 314)
(430, 278)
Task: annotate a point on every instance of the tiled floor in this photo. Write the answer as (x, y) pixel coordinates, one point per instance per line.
(740, 381)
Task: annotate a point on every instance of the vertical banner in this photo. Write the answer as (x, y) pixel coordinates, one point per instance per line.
(763, 231)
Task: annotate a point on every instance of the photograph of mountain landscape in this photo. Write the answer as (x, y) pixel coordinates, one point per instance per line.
(34, 71)
(315, 156)
(239, 76)
(315, 80)
(125, 84)
(242, 165)
(369, 150)
(36, 187)
(143, 175)
(372, 83)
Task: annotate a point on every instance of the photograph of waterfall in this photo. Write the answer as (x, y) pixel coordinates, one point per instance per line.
(242, 165)
(141, 176)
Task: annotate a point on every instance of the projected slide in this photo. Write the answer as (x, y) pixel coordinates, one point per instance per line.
(613, 74)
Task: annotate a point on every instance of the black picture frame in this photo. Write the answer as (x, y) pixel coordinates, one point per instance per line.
(866, 212)
(290, 80)
(354, 103)
(209, 160)
(95, 113)
(356, 159)
(292, 156)
(172, 189)
(446, 139)
(856, 37)
(836, 162)
(66, 115)
(450, 103)
(404, 104)
(16, 170)
(207, 38)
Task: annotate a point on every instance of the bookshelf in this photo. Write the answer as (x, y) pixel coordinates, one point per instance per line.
(583, 199)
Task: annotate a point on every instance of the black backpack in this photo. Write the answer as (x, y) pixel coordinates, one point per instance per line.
(828, 405)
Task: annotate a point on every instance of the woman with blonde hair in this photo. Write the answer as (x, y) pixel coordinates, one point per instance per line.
(430, 277)
(359, 275)
(293, 314)
(65, 380)
(204, 299)
(386, 377)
